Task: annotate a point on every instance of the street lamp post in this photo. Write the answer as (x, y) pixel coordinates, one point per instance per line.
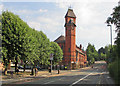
(110, 33)
(111, 40)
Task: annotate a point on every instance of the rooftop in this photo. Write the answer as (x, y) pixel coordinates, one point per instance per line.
(70, 13)
(60, 39)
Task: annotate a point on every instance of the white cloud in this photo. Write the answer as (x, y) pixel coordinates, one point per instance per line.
(50, 25)
(1, 7)
(59, 0)
(41, 10)
(25, 11)
(91, 17)
(34, 25)
(90, 20)
(91, 25)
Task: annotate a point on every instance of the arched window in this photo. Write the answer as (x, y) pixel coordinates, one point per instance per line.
(62, 47)
(72, 20)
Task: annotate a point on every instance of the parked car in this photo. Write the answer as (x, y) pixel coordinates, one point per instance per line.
(20, 67)
(27, 67)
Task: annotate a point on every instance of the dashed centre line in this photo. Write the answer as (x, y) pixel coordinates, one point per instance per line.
(54, 80)
(49, 82)
(80, 79)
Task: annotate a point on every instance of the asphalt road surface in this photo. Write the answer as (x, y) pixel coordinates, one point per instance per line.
(95, 76)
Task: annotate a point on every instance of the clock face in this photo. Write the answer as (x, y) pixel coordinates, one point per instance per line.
(72, 20)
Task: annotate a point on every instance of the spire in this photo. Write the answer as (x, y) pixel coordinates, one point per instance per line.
(70, 13)
(70, 7)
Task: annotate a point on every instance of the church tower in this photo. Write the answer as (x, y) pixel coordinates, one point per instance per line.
(70, 39)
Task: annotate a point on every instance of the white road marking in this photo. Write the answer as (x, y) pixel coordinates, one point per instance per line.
(48, 82)
(61, 78)
(53, 81)
(108, 77)
(100, 79)
(80, 79)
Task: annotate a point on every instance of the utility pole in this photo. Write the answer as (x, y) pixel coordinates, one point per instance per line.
(111, 38)
(110, 34)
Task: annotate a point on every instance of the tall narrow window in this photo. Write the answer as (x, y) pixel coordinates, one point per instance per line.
(72, 20)
(69, 49)
(76, 56)
(62, 47)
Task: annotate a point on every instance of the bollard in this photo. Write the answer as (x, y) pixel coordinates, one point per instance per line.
(58, 71)
(49, 69)
(17, 71)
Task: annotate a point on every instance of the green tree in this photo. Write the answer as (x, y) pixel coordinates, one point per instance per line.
(115, 19)
(111, 56)
(0, 36)
(57, 53)
(44, 49)
(102, 56)
(91, 53)
(113, 65)
(14, 36)
(20, 42)
(101, 53)
(92, 60)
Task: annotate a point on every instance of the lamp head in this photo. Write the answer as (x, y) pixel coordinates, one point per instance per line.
(108, 25)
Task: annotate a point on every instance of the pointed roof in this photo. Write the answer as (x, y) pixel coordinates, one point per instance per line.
(70, 13)
(60, 39)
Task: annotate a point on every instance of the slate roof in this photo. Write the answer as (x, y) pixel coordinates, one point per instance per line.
(60, 39)
(70, 13)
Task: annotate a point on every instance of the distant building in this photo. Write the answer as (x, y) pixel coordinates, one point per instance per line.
(74, 57)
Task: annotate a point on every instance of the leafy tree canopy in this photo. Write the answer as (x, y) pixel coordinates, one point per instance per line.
(57, 52)
(91, 53)
(27, 44)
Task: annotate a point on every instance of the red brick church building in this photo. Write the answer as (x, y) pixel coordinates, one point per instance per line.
(73, 56)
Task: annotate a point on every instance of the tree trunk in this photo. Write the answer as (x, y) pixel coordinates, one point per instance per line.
(5, 71)
(32, 71)
(16, 65)
(9, 65)
(24, 67)
(6, 66)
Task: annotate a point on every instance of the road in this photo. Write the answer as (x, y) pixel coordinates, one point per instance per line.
(96, 75)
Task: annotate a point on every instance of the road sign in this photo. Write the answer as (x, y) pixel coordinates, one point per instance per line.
(51, 56)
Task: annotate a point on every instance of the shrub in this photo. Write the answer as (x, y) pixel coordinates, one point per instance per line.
(114, 70)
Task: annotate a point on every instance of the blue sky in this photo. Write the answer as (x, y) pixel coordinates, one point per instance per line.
(49, 17)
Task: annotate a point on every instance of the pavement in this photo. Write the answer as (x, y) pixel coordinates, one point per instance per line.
(96, 76)
(41, 74)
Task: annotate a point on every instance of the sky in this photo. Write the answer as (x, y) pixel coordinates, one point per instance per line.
(48, 16)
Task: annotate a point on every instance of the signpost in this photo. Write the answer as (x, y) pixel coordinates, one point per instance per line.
(51, 58)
